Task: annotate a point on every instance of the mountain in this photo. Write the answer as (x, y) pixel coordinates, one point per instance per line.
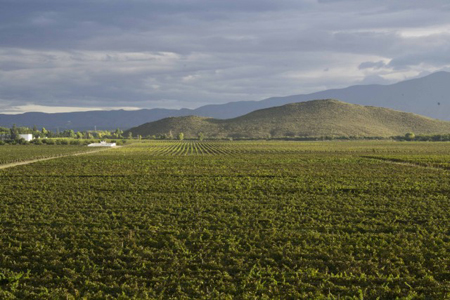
(312, 118)
(428, 96)
(90, 119)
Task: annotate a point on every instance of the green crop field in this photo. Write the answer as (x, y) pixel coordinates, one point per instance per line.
(229, 220)
(11, 154)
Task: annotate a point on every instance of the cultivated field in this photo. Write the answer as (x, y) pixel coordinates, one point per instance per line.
(230, 220)
(11, 154)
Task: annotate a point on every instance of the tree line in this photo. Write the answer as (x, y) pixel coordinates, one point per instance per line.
(168, 136)
(14, 132)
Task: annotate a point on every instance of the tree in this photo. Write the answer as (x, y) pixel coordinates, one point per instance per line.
(410, 136)
(88, 135)
(44, 132)
(130, 135)
(201, 136)
(170, 135)
(181, 136)
(69, 133)
(14, 132)
(79, 135)
(118, 133)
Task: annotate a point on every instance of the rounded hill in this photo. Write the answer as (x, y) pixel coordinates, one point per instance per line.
(305, 119)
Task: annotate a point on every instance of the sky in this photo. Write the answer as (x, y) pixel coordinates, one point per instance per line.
(76, 55)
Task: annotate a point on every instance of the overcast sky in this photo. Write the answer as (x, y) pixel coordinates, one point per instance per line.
(68, 55)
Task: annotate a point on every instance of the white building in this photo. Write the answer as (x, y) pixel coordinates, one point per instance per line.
(27, 137)
(102, 144)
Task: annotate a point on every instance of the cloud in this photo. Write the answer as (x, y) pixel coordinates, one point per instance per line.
(431, 56)
(372, 65)
(375, 79)
(187, 53)
(56, 109)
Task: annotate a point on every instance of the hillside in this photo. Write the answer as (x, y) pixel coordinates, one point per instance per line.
(428, 96)
(312, 118)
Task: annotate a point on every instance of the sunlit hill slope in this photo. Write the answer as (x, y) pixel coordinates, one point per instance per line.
(305, 119)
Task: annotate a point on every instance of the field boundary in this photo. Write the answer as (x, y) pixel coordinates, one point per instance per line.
(31, 161)
(405, 163)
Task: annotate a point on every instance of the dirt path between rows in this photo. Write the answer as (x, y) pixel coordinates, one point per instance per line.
(405, 163)
(27, 162)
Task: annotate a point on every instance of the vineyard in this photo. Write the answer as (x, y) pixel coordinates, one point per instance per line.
(10, 154)
(229, 220)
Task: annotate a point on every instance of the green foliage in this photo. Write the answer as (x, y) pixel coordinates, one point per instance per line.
(21, 141)
(118, 133)
(229, 220)
(11, 154)
(181, 136)
(410, 136)
(68, 133)
(426, 138)
(201, 136)
(14, 132)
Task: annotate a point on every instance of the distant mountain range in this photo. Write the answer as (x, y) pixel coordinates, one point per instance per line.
(428, 96)
(305, 119)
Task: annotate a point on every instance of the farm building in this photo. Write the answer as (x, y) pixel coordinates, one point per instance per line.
(27, 137)
(102, 144)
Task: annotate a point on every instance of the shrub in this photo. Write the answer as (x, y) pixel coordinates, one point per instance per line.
(22, 142)
(410, 136)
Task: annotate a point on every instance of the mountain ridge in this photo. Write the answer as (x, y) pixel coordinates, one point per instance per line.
(327, 117)
(429, 96)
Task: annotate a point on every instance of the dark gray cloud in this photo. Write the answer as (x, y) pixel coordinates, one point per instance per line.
(186, 53)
